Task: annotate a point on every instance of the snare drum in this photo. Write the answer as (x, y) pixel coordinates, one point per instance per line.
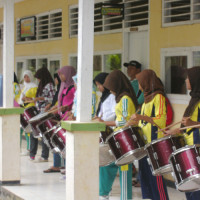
(47, 129)
(58, 140)
(26, 116)
(127, 144)
(106, 156)
(186, 168)
(159, 151)
(105, 134)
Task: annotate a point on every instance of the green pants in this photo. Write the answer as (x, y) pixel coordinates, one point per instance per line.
(27, 136)
(107, 177)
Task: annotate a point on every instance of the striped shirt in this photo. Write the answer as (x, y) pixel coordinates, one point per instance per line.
(192, 136)
(156, 109)
(124, 109)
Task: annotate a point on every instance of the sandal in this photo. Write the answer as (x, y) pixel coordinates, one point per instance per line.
(135, 184)
(51, 170)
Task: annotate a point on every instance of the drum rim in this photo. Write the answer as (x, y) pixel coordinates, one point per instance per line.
(44, 114)
(119, 131)
(112, 161)
(130, 153)
(30, 107)
(187, 179)
(163, 167)
(161, 139)
(187, 147)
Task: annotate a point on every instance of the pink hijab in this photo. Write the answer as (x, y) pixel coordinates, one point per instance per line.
(68, 72)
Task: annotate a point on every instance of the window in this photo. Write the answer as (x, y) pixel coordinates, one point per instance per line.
(102, 62)
(177, 11)
(53, 63)
(48, 26)
(136, 13)
(174, 61)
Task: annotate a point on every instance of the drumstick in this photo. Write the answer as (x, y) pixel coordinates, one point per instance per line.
(168, 126)
(193, 126)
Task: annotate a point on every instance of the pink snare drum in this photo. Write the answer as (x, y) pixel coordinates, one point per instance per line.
(186, 168)
(159, 151)
(26, 116)
(58, 140)
(127, 144)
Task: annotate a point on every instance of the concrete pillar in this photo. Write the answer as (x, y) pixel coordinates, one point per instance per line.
(10, 145)
(8, 53)
(82, 160)
(85, 59)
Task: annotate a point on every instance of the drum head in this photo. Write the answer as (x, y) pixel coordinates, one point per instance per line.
(190, 184)
(105, 155)
(39, 117)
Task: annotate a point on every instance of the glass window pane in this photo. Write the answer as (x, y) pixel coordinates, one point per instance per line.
(175, 80)
(112, 62)
(20, 66)
(73, 61)
(196, 58)
(54, 66)
(31, 65)
(97, 65)
(42, 63)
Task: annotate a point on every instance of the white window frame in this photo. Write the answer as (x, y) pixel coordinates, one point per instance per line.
(48, 57)
(191, 21)
(41, 40)
(179, 51)
(98, 53)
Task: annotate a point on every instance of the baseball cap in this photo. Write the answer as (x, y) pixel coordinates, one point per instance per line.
(133, 63)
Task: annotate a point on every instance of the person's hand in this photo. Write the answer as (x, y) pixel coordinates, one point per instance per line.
(172, 131)
(136, 117)
(186, 121)
(47, 107)
(131, 123)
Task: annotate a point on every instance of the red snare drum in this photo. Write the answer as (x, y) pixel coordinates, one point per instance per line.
(159, 151)
(26, 116)
(186, 168)
(105, 134)
(127, 144)
(58, 140)
(47, 129)
(106, 156)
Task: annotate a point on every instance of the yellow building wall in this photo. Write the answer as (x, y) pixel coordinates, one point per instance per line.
(64, 46)
(169, 37)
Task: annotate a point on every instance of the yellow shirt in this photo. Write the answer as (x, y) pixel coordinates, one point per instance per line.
(31, 93)
(124, 109)
(17, 91)
(156, 109)
(192, 136)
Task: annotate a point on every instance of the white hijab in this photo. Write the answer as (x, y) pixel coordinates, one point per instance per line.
(27, 86)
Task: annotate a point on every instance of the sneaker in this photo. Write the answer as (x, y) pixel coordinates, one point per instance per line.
(105, 197)
(41, 159)
(26, 153)
(32, 158)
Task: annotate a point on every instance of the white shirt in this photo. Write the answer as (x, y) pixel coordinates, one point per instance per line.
(107, 110)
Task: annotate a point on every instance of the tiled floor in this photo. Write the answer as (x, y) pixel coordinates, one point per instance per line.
(36, 185)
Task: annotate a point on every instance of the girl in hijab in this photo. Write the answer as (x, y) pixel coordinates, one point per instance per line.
(44, 96)
(17, 91)
(28, 93)
(105, 112)
(67, 90)
(29, 90)
(153, 112)
(191, 116)
(119, 85)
